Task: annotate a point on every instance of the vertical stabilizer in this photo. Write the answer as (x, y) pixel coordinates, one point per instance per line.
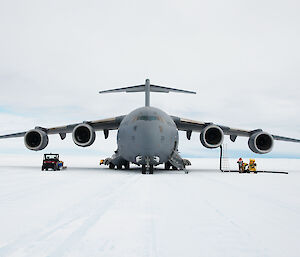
(147, 92)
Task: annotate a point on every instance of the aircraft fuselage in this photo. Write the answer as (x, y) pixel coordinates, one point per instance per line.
(147, 133)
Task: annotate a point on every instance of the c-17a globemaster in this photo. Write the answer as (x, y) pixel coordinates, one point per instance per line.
(148, 136)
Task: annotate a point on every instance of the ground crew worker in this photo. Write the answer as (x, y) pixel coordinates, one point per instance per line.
(240, 163)
(252, 166)
(245, 169)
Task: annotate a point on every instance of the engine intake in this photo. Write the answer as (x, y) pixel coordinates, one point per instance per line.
(36, 140)
(261, 142)
(83, 135)
(212, 136)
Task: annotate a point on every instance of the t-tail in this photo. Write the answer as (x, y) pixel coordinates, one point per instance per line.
(147, 88)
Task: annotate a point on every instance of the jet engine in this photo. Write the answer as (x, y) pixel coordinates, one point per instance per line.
(83, 135)
(36, 139)
(212, 136)
(261, 142)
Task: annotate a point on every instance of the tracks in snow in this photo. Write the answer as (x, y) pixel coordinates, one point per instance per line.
(70, 225)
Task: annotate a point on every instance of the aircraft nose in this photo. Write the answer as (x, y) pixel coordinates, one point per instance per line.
(149, 138)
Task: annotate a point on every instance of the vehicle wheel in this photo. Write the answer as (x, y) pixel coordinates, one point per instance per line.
(151, 169)
(127, 166)
(119, 166)
(54, 168)
(143, 169)
(111, 166)
(167, 166)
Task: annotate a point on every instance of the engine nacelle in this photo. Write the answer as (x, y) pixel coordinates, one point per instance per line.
(36, 139)
(83, 135)
(261, 142)
(212, 136)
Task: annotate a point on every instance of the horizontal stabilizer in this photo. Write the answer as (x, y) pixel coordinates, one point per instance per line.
(147, 88)
(142, 88)
(154, 88)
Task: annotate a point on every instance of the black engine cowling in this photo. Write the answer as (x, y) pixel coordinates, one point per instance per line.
(36, 140)
(212, 136)
(261, 142)
(83, 135)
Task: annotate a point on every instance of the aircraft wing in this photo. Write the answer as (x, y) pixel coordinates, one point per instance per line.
(105, 124)
(197, 126)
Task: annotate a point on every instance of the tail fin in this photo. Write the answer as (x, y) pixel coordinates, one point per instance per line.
(147, 88)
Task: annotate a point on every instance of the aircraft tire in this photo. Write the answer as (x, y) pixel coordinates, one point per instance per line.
(167, 166)
(151, 169)
(143, 169)
(111, 166)
(127, 166)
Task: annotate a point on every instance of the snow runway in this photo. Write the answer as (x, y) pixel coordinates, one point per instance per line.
(98, 212)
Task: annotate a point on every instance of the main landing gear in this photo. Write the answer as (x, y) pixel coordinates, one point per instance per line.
(119, 166)
(167, 165)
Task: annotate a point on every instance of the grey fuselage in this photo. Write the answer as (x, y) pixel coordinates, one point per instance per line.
(147, 133)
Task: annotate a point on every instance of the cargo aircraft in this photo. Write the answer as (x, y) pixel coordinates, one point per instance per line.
(148, 136)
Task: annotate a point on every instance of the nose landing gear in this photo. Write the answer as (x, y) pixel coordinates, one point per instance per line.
(147, 167)
(143, 169)
(151, 169)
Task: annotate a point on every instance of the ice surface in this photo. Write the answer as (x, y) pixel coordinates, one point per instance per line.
(89, 210)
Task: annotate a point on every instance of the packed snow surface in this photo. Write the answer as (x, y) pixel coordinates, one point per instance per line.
(93, 211)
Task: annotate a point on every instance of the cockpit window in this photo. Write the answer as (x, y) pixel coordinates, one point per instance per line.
(148, 118)
(145, 117)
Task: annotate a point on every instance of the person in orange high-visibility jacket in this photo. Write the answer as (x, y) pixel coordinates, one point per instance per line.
(252, 166)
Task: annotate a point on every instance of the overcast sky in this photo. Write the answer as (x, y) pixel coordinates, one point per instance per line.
(242, 58)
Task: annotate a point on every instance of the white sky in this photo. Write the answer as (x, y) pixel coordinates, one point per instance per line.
(242, 58)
